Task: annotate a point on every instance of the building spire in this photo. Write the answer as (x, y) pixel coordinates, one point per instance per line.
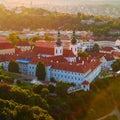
(58, 42)
(73, 41)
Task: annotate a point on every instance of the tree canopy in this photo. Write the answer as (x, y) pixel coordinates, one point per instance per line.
(116, 65)
(13, 37)
(96, 47)
(82, 54)
(13, 66)
(40, 71)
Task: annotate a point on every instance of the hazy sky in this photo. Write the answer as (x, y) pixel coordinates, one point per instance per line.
(60, 2)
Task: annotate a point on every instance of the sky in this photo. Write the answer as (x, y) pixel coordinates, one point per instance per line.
(56, 2)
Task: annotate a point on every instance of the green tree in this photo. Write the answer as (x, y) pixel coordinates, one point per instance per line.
(51, 88)
(44, 92)
(82, 54)
(40, 71)
(13, 66)
(61, 88)
(116, 65)
(2, 67)
(40, 114)
(48, 38)
(35, 38)
(52, 79)
(37, 88)
(23, 112)
(96, 47)
(13, 37)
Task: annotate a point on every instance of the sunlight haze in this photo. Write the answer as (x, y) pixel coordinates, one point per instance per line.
(55, 2)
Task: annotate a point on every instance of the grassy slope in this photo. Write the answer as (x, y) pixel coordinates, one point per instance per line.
(104, 102)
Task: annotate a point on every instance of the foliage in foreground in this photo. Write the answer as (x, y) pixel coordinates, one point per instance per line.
(102, 98)
(9, 110)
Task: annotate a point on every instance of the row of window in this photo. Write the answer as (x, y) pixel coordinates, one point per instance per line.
(31, 67)
(67, 77)
(31, 73)
(57, 51)
(67, 72)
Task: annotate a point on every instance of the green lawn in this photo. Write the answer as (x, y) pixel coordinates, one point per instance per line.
(13, 75)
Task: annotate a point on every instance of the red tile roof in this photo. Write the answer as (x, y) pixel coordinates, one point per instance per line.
(116, 54)
(48, 61)
(107, 49)
(72, 67)
(23, 44)
(91, 62)
(27, 54)
(51, 44)
(45, 44)
(43, 50)
(56, 59)
(44, 60)
(17, 50)
(3, 40)
(8, 57)
(68, 53)
(95, 54)
(108, 57)
(6, 46)
(85, 82)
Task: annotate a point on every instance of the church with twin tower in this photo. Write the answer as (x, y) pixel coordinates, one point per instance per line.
(58, 49)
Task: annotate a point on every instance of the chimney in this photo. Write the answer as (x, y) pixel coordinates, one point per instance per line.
(83, 62)
(57, 61)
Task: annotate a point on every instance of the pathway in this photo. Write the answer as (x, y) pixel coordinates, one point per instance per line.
(114, 112)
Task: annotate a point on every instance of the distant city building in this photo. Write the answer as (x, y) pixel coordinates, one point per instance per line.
(117, 43)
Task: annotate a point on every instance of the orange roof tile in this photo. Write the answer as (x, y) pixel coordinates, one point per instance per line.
(3, 40)
(108, 57)
(23, 44)
(68, 53)
(45, 44)
(73, 67)
(85, 82)
(107, 49)
(43, 50)
(6, 46)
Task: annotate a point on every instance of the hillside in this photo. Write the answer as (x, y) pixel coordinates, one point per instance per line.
(38, 102)
(108, 8)
(36, 18)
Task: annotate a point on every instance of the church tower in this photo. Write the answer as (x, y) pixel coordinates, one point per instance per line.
(58, 49)
(73, 45)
